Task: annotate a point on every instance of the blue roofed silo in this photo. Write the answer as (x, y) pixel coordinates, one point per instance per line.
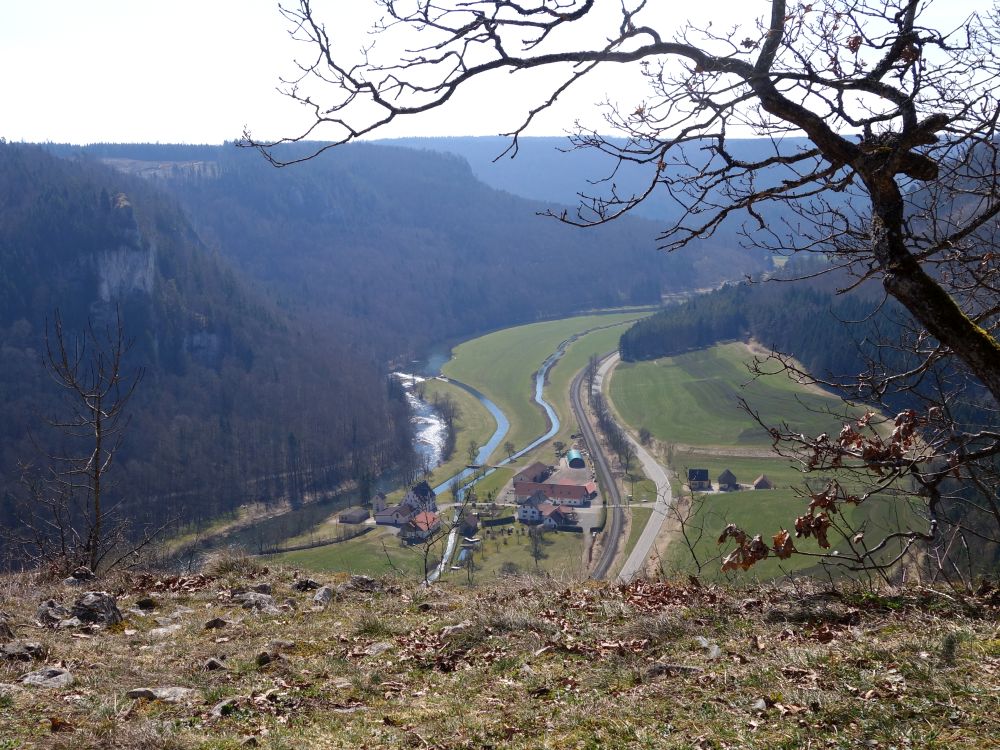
(575, 459)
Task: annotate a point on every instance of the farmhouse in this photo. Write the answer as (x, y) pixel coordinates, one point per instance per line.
(537, 509)
(421, 526)
(698, 479)
(379, 502)
(420, 497)
(393, 515)
(534, 473)
(354, 515)
(728, 482)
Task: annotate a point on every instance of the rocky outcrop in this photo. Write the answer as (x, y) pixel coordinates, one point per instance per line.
(97, 608)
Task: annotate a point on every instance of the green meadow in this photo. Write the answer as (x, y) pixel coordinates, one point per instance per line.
(693, 399)
(502, 366)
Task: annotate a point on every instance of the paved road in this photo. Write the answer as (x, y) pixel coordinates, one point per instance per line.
(612, 498)
(664, 497)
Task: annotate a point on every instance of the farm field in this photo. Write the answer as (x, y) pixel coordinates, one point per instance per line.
(473, 424)
(689, 403)
(692, 399)
(502, 366)
(365, 554)
(562, 556)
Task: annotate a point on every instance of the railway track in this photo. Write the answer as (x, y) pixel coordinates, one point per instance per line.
(612, 497)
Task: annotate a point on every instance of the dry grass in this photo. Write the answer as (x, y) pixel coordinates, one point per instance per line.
(534, 663)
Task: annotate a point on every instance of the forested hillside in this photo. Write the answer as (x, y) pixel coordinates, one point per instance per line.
(410, 246)
(240, 400)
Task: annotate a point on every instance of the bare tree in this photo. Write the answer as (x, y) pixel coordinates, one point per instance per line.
(882, 159)
(67, 518)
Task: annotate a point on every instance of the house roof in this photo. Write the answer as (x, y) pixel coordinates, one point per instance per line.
(424, 521)
(530, 472)
(762, 479)
(697, 475)
(727, 477)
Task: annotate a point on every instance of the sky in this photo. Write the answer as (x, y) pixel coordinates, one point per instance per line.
(198, 71)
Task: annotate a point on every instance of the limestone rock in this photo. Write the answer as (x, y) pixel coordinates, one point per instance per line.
(324, 596)
(212, 664)
(164, 632)
(163, 694)
(224, 708)
(254, 600)
(361, 583)
(50, 613)
(97, 607)
(6, 628)
(80, 577)
(216, 623)
(22, 651)
(50, 677)
(305, 584)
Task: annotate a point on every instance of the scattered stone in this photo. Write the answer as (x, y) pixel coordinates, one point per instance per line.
(181, 612)
(324, 596)
(264, 658)
(254, 600)
(216, 623)
(22, 651)
(6, 628)
(378, 648)
(250, 741)
(713, 652)
(360, 583)
(97, 607)
(50, 677)
(279, 645)
(449, 630)
(759, 705)
(164, 632)
(290, 604)
(147, 604)
(224, 708)
(50, 613)
(7, 690)
(70, 623)
(213, 664)
(305, 584)
(80, 577)
(262, 588)
(163, 694)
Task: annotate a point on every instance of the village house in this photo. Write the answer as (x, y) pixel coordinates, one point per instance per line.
(537, 509)
(420, 497)
(421, 526)
(569, 487)
(728, 482)
(698, 480)
(763, 483)
(379, 502)
(354, 515)
(394, 515)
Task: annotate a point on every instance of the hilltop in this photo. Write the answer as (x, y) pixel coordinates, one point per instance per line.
(240, 655)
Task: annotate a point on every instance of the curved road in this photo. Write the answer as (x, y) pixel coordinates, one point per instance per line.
(664, 496)
(612, 499)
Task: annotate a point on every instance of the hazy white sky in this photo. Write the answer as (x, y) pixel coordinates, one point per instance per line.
(197, 71)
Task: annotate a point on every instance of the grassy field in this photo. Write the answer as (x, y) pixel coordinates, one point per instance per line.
(640, 515)
(562, 555)
(692, 399)
(365, 554)
(473, 424)
(502, 365)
